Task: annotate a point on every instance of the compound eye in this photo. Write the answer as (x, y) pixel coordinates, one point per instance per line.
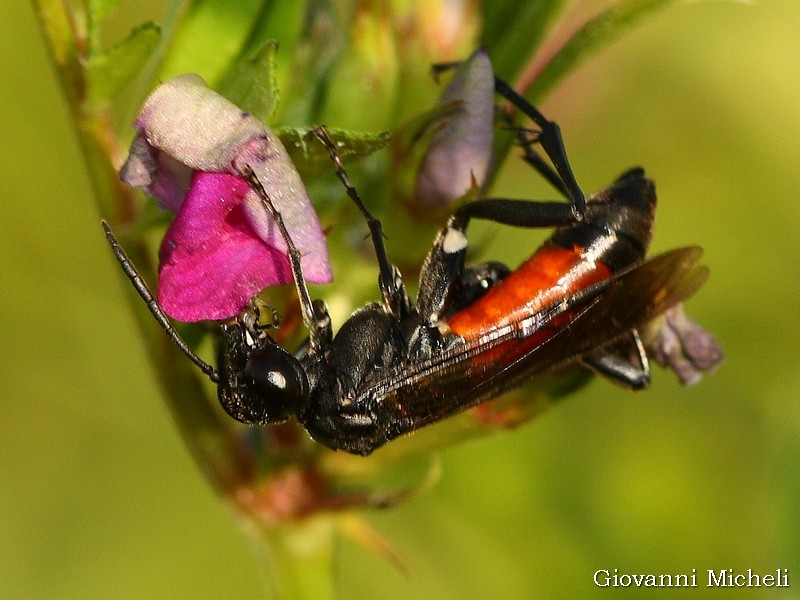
(278, 376)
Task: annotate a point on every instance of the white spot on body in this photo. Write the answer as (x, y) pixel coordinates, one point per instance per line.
(454, 241)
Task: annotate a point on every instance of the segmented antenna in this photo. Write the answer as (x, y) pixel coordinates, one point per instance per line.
(152, 304)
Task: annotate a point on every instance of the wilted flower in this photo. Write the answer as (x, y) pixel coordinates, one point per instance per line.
(459, 155)
(193, 151)
(677, 343)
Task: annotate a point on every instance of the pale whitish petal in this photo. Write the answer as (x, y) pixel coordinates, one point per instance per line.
(196, 126)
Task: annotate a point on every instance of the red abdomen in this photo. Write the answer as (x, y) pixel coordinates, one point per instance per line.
(547, 277)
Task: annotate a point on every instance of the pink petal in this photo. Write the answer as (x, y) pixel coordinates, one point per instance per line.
(172, 180)
(212, 262)
(192, 150)
(157, 173)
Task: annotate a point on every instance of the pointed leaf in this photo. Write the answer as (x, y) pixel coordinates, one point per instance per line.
(109, 72)
(513, 30)
(210, 37)
(590, 39)
(251, 85)
(310, 157)
(318, 47)
(98, 9)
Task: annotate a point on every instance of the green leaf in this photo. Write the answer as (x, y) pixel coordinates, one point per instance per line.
(251, 85)
(210, 37)
(594, 36)
(281, 24)
(318, 48)
(514, 30)
(98, 9)
(109, 72)
(311, 157)
(282, 21)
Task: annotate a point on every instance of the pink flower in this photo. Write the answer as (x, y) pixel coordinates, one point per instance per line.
(192, 150)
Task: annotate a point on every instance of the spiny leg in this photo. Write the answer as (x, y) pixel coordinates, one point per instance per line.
(393, 295)
(316, 321)
(527, 138)
(550, 139)
(152, 304)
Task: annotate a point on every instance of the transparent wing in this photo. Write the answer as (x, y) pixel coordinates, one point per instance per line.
(416, 394)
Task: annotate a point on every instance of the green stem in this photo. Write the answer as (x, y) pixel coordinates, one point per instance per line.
(299, 559)
(212, 440)
(593, 36)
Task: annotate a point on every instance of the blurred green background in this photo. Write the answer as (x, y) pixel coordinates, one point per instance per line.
(101, 500)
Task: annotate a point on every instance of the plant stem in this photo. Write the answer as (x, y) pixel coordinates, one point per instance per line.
(299, 559)
(213, 442)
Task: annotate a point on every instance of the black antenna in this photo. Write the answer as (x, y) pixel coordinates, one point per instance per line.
(152, 304)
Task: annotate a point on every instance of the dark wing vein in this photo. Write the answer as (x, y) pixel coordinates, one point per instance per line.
(415, 394)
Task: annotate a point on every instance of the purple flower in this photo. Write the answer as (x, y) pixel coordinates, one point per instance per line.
(677, 343)
(191, 152)
(459, 155)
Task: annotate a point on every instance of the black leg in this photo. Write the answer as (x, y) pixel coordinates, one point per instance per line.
(141, 287)
(444, 264)
(520, 213)
(441, 271)
(549, 137)
(315, 316)
(527, 138)
(445, 261)
(615, 363)
(389, 281)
